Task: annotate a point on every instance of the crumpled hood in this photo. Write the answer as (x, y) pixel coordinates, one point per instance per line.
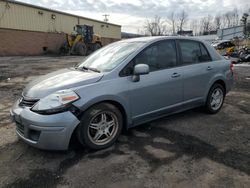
(58, 80)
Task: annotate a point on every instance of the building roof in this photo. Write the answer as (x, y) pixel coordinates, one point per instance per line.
(56, 11)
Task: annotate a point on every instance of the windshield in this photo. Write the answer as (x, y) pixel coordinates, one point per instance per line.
(109, 57)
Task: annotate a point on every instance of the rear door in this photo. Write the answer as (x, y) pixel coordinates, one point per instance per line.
(161, 89)
(197, 68)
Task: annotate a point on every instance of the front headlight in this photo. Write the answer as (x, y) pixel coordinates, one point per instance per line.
(56, 102)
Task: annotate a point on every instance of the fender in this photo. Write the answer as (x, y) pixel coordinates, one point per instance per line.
(110, 98)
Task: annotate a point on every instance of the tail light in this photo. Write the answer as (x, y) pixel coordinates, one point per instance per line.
(232, 67)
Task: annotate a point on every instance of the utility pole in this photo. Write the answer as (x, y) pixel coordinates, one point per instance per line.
(106, 17)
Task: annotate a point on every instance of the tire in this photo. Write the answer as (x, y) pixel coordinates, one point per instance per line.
(215, 99)
(64, 50)
(97, 46)
(81, 49)
(96, 130)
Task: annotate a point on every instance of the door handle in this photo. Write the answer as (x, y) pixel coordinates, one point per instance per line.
(209, 68)
(175, 75)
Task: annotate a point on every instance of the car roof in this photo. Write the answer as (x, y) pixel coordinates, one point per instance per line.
(159, 38)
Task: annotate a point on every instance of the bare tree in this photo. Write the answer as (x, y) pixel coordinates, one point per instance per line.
(248, 28)
(206, 25)
(217, 21)
(155, 26)
(182, 18)
(231, 18)
(194, 26)
(245, 21)
(172, 20)
(235, 17)
(248, 24)
(224, 22)
(228, 17)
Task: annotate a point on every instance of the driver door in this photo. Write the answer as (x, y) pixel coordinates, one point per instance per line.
(161, 90)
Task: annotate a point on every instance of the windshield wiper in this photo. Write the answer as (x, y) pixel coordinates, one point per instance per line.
(89, 68)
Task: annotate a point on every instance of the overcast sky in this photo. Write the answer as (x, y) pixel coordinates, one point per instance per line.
(131, 14)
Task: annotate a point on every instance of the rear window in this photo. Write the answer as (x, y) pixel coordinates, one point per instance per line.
(193, 52)
(204, 54)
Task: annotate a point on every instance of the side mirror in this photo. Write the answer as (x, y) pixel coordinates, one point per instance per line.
(140, 69)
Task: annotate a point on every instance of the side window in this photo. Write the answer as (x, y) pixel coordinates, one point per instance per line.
(149, 57)
(193, 52)
(190, 51)
(158, 56)
(167, 55)
(161, 55)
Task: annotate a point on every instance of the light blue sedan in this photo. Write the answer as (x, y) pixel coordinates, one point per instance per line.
(122, 85)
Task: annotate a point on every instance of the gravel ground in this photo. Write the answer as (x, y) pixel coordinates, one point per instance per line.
(189, 149)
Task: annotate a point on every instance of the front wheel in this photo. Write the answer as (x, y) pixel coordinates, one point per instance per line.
(100, 126)
(80, 49)
(215, 98)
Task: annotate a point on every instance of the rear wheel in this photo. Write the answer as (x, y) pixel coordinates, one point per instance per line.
(100, 126)
(81, 48)
(64, 49)
(215, 98)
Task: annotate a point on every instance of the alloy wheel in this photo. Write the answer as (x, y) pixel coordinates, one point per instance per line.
(216, 99)
(102, 128)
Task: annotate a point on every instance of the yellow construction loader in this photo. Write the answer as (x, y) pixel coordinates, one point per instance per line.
(81, 42)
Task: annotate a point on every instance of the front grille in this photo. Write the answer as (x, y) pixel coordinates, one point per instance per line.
(20, 128)
(27, 102)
